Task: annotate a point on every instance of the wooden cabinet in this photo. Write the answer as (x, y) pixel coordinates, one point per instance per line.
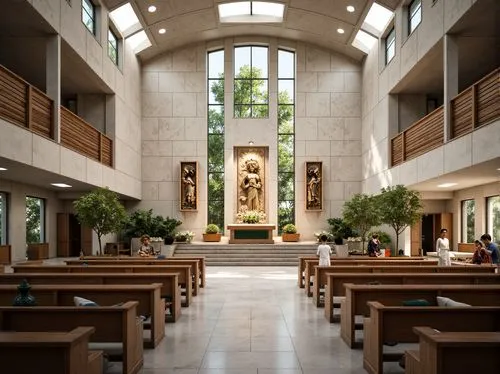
(38, 251)
(5, 255)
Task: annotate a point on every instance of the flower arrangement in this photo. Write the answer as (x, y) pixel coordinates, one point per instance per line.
(156, 239)
(354, 239)
(319, 234)
(251, 216)
(184, 236)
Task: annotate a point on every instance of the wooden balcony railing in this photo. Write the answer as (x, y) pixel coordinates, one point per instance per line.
(476, 106)
(421, 137)
(24, 104)
(82, 137)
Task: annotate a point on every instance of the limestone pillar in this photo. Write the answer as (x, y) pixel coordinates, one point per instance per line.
(450, 80)
(53, 81)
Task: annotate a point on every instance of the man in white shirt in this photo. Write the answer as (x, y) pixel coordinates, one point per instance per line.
(324, 251)
(443, 249)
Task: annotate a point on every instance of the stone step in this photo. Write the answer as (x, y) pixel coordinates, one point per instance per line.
(230, 263)
(246, 253)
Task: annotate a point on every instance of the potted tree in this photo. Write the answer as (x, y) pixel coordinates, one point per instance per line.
(290, 233)
(100, 210)
(399, 208)
(212, 233)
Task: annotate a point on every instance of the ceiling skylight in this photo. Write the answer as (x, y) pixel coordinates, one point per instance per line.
(364, 41)
(251, 12)
(139, 41)
(125, 18)
(378, 17)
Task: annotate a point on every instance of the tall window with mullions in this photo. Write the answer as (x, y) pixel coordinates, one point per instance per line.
(286, 138)
(215, 89)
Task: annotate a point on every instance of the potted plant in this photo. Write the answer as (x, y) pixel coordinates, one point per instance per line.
(290, 233)
(101, 210)
(340, 230)
(184, 236)
(143, 222)
(212, 233)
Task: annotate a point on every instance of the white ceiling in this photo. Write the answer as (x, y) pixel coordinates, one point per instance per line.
(312, 21)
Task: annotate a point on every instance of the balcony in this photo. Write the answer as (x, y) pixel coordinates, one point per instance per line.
(26, 106)
(474, 107)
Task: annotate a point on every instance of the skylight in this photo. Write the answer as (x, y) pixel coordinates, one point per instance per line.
(364, 41)
(139, 41)
(251, 12)
(378, 17)
(124, 18)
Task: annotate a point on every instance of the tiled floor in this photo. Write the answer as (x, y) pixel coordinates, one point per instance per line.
(252, 320)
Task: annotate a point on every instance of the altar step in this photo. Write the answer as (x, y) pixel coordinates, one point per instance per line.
(247, 254)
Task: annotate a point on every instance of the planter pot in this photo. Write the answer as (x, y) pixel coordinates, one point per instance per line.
(342, 250)
(286, 237)
(169, 240)
(212, 237)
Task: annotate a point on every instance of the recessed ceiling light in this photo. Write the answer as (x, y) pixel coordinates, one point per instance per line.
(250, 142)
(444, 185)
(3, 169)
(340, 31)
(350, 8)
(151, 9)
(497, 169)
(61, 185)
(162, 31)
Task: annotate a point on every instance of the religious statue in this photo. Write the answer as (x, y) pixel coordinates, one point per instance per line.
(251, 184)
(189, 187)
(313, 187)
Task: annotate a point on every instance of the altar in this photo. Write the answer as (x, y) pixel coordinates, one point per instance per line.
(251, 233)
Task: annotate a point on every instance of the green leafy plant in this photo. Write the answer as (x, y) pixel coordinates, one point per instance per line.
(340, 229)
(143, 222)
(290, 228)
(362, 213)
(100, 210)
(212, 229)
(399, 208)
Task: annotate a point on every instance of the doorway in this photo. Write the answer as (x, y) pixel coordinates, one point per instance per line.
(72, 237)
(427, 233)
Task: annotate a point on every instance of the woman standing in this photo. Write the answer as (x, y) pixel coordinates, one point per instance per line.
(443, 249)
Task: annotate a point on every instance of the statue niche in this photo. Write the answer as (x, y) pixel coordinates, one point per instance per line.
(189, 186)
(314, 198)
(251, 179)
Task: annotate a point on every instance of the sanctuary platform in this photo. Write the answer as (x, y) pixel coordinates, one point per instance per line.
(225, 254)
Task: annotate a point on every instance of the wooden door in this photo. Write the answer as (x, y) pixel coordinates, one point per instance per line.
(63, 242)
(416, 238)
(86, 241)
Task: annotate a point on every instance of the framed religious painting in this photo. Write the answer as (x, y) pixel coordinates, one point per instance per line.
(314, 186)
(189, 186)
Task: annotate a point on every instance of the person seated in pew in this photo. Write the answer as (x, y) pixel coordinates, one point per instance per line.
(481, 255)
(146, 248)
(492, 248)
(374, 246)
(324, 251)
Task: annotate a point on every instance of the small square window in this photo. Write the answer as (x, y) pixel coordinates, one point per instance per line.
(414, 15)
(88, 15)
(390, 46)
(113, 46)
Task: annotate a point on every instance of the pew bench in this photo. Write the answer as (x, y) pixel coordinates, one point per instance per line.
(335, 283)
(184, 272)
(357, 297)
(320, 273)
(310, 265)
(454, 352)
(118, 331)
(169, 289)
(148, 296)
(55, 352)
(395, 324)
(195, 266)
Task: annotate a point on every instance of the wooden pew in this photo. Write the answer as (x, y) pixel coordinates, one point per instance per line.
(454, 352)
(335, 283)
(195, 266)
(55, 352)
(357, 296)
(311, 264)
(347, 260)
(112, 324)
(395, 324)
(169, 289)
(201, 260)
(147, 295)
(320, 273)
(184, 272)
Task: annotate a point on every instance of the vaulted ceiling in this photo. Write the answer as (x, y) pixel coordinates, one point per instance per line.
(312, 21)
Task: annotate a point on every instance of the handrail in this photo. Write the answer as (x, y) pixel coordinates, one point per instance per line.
(486, 77)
